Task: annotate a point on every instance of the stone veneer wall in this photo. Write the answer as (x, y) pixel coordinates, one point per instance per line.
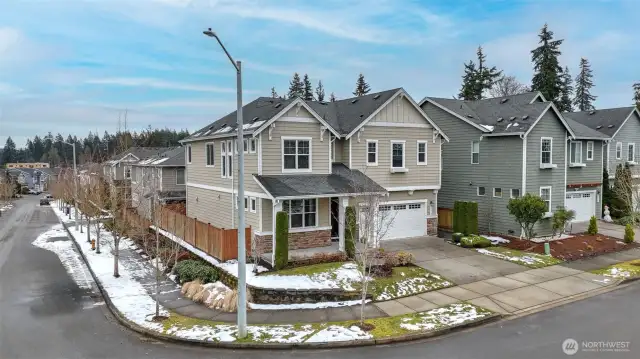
(432, 226)
(298, 240)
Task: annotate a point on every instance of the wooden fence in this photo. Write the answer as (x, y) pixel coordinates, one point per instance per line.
(445, 218)
(218, 242)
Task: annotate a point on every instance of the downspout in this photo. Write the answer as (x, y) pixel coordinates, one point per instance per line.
(564, 192)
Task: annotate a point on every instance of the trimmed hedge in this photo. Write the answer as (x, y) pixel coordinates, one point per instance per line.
(190, 270)
(465, 217)
(456, 237)
(350, 232)
(593, 226)
(472, 217)
(629, 234)
(282, 240)
(474, 241)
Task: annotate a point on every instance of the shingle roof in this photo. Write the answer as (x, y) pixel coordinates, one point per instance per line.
(342, 180)
(343, 115)
(139, 152)
(607, 121)
(173, 157)
(583, 132)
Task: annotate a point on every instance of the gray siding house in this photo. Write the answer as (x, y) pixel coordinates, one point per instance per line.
(312, 159)
(117, 169)
(504, 147)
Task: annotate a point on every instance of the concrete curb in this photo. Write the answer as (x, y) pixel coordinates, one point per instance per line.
(234, 345)
(628, 280)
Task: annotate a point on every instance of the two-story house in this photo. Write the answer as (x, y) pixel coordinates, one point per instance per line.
(117, 167)
(622, 125)
(158, 179)
(504, 147)
(312, 159)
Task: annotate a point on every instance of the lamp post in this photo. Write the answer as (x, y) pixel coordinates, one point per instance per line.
(75, 183)
(242, 259)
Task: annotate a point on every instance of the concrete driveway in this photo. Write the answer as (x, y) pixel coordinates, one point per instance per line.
(604, 228)
(460, 265)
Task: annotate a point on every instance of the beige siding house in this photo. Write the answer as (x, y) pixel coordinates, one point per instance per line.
(312, 159)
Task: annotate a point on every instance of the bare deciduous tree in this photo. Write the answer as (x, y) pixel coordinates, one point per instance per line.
(626, 189)
(507, 86)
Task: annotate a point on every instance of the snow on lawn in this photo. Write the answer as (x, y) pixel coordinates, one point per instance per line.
(410, 286)
(496, 240)
(550, 238)
(533, 260)
(336, 333)
(320, 305)
(446, 316)
(622, 270)
(6, 207)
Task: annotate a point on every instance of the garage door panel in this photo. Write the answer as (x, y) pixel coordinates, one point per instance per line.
(408, 220)
(583, 203)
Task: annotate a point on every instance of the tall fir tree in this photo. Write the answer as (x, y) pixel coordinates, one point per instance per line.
(296, 87)
(478, 78)
(332, 97)
(9, 152)
(362, 87)
(564, 103)
(584, 82)
(546, 66)
(274, 94)
(320, 91)
(636, 94)
(307, 89)
(468, 90)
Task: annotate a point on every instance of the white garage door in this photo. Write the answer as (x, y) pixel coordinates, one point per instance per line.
(584, 203)
(408, 220)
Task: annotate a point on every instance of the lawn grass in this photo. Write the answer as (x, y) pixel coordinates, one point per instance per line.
(624, 270)
(306, 270)
(528, 259)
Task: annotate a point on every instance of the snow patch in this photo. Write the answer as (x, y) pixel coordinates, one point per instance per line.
(335, 333)
(550, 238)
(497, 240)
(527, 258)
(320, 305)
(450, 315)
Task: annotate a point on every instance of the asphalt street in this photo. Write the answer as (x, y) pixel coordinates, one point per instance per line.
(44, 314)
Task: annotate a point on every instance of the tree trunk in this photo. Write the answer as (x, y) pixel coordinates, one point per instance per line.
(157, 274)
(88, 229)
(116, 256)
(98, 236)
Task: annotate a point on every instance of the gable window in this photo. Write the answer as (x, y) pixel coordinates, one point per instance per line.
(188, 153)
(180, 176)
(475, 152)
(296, 154)
(515, 193)
(590, 151)
(127, 172)
(372, 152)
(545, 194)
(481, 191)
(619, 151)
(210, 152)
(245, 145)
(497, 192)
(230, 158)
(252, 145)
(631, 154)
(422, 152)
(253, 205)
(546, 148)
(575, 152)
(302, 212)
(397, 154)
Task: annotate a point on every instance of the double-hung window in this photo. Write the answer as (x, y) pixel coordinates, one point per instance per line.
(302, 212)
(254, 205)
(575, 152)
(545, 194)
(180, 180)
(188, 153)
(226, 159)
(618, 150)
(475, 152)
(497, 192)
(397, 154)
(230, 158)
(422, 153)
(515, 193)
(245, 145)
(296, 155)
(590, 151)
(252, 145)
(210, 152)
(127, 172)
(631, 154)
(372, 152)
(546, 149)
(481, 191)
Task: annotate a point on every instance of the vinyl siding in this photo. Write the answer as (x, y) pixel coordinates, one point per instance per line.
(267, 213)
(548, 126)
(400, 110)
(592, 172)
(500, 166)
(169, 178)
(629, 133)
(210, 207)
(324, 219)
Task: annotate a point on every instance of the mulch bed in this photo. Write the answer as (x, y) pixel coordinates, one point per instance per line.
(580, 246)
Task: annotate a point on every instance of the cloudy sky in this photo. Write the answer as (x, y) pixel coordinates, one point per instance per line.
(74, 66)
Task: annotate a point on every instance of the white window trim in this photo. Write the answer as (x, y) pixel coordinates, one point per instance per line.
(550, 151)
(475, 163)
(188, 154)
(367, 153)
(404, 155)
(511, 193)
(578, 144)
(426, 150)
(223, 158)
(255, 145)
(246, 203)
(303, 213)
(253, 205)
(229, 158)
(618, 150)
(296, 170)
(206, 153)
(185, 177)
(494, 192)
(245, 145)
(631, 152)
(593, 148)
(478, 191)
(550, 212)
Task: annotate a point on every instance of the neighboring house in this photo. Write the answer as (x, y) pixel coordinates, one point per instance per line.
(504, 147)
(158, 179)
(33, 178)
(311, 159)
(622, 125)
(117, 167)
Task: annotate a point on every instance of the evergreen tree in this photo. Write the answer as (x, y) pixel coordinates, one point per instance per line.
(478, 79)
(320, 92)
(468, 90)
(296, 87)
(584, 99)
(38, 148)
(307, 89)
(332, 97)
(546, 78)
(636, 94)
(274, 94)
(564, 103)
(9, 152)
(362, 87)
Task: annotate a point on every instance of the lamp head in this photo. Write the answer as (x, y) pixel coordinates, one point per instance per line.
(209, 32)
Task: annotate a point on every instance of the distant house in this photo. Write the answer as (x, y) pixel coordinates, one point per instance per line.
(117, 167)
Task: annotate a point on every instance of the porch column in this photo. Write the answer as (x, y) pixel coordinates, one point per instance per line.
(343, 203)
(277, 207)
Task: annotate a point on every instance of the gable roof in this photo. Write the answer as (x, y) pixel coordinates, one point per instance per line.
(607, 121)
(138, 152)
(171, 158)
(585, 133)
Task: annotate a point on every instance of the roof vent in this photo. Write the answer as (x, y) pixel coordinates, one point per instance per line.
(323, 102)
(525, 117)
(598, 127)
(469, 116)
(255, 119)
(361, 115)
(610, 126)
(278, 105)
(504, 100)
(500, 119)
(592, 113)
(354, 100)
(376, 97)
(512, 118)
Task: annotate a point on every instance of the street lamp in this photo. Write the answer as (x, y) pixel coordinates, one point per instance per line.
(75, 182)
(242, 261)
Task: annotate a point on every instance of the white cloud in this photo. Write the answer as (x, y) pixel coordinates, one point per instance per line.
(158, 84)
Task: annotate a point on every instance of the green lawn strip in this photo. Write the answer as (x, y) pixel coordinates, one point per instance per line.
(528, 259)
(623, 270)
(309, 270)
(434, 319)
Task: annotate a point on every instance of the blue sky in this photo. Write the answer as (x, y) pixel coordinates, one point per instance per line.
(73, 66)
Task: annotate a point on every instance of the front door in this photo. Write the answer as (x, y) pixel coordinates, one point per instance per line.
(335, 224)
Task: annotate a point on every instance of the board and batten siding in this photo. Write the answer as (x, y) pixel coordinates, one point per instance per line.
(500, 166)
(399, 110)
(548, 126)
(629, 133)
